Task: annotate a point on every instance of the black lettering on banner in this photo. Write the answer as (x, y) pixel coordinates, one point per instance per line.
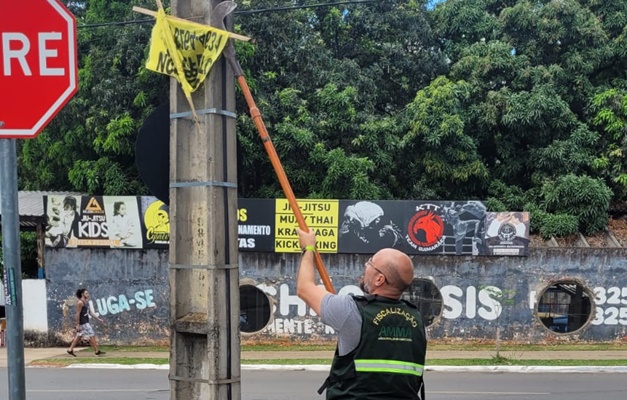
(185, 39)
(210, 40)
(287, 244)
(190, 68)
(188, 40)
(202, 39)
(165, 64)
(193, 69)
(177, 38)
(290, 244)
(204, 63)
(213, 45)
(287, 219)
(206, 40)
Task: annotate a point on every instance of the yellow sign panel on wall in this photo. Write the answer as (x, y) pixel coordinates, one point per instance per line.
(321, 216)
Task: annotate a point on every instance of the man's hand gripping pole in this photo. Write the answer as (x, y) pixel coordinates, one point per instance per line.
(217, 21)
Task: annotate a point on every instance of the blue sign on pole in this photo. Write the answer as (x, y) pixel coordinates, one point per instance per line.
(9, 287)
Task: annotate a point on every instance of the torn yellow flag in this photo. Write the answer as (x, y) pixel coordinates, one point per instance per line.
(184, 50)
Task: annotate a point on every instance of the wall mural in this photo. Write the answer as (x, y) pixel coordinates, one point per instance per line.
(530, 299)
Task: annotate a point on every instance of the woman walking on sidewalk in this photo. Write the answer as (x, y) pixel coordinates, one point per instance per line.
(83, 328)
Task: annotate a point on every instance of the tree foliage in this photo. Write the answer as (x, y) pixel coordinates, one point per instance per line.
(28, 255)
(522, 103)
(544, 106)
(331, 83)
(89, 145)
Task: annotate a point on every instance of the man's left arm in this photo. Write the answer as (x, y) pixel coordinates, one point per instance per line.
(93, 314)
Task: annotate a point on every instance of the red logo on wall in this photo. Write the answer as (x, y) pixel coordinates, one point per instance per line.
(426, 228)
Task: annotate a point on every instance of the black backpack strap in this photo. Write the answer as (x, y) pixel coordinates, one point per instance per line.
(333, 379)
(410, 304)
(366, 298)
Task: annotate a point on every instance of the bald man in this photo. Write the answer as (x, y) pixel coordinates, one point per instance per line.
(381, 338)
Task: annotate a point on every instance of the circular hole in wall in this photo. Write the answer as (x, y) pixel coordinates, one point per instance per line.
(565, 306)
(255, 309)
(427, 297)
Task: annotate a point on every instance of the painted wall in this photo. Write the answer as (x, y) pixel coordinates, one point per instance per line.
(130, 289)
(34, 305)
(467, 285)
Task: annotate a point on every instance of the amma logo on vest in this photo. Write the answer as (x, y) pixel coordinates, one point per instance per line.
(396, 333)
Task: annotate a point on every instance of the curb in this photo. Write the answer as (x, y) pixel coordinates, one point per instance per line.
(436, 368)
(530, 369)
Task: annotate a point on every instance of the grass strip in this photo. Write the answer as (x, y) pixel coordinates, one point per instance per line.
(293, 347)
(509, 361)
(63, 362)
(451, 347)
(134, 349)
(531, 347)
(461, 362)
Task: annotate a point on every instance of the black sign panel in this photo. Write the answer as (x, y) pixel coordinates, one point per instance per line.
(368, 226)
(255, 230)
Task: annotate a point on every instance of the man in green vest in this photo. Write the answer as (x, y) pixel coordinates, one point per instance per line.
(381, 338)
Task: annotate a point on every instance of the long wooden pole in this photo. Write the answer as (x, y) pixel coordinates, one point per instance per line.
(280, 172)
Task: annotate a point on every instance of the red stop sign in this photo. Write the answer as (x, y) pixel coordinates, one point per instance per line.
(38, 68)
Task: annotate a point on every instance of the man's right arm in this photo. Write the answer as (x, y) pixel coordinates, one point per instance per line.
(306, 287)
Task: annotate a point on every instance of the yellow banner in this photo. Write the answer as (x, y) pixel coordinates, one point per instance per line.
(321, 216)
(184, 50)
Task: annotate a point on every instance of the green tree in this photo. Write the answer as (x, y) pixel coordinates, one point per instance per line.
(541, 108)
(332, 84)
(89, 146)
(581, 196)
(610, 117)
(516, 101)
(28, 255)
(498, 300)
(440, 154)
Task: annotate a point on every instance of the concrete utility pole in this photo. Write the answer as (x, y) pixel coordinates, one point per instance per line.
(204, 273)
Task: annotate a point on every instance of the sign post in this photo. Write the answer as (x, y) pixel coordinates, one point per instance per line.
(38, 76)
(12, 270)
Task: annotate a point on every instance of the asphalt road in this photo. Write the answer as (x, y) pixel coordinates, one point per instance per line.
(109, 384)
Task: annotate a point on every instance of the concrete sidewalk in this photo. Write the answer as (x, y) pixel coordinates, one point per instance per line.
(32, 354)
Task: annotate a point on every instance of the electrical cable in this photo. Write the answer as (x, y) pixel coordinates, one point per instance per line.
(242, 13)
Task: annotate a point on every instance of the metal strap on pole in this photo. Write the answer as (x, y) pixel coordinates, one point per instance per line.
(208, 381)
(214, 267)
(204, 111)
(203, 184)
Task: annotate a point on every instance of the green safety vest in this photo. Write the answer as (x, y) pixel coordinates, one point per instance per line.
(389, 360)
